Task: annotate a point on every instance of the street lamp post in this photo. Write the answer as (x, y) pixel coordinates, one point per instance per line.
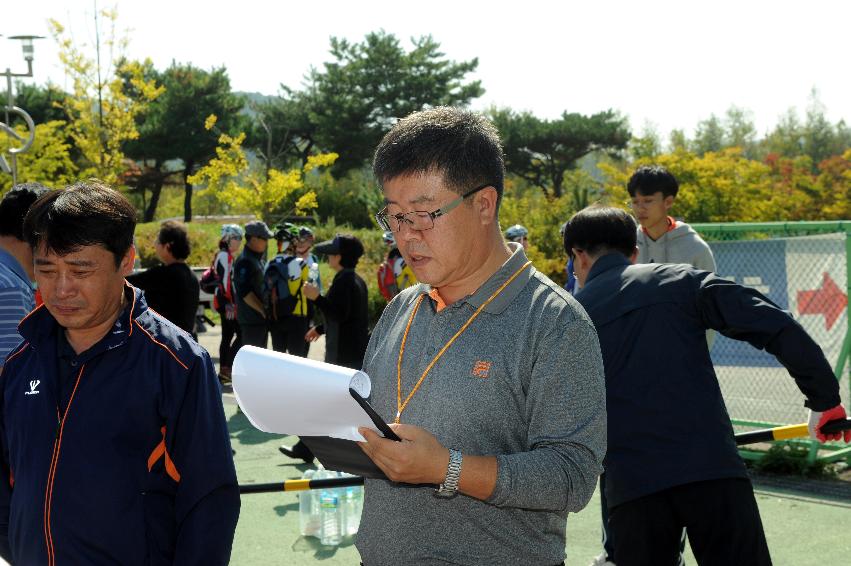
(9, 108)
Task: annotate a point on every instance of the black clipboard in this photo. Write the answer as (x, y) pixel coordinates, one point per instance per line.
(345, 455)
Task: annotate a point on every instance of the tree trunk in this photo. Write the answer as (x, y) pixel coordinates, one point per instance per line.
(187, 192)
(156, 189)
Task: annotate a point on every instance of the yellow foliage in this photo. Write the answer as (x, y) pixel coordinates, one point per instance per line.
(48, 161)
(320, 160)
(101, 117)
(231, 179)
(719, 186)
(210, 121)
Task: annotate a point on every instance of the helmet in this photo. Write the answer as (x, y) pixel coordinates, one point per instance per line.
(388, 238)
(516, 233)
(232, 231)
(305, 233)
(286, 232)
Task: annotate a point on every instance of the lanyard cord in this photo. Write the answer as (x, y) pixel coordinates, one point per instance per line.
(400, 405)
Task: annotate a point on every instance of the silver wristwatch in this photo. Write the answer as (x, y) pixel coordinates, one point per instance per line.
(449, 487)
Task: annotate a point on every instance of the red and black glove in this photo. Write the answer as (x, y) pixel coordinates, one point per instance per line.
(819, 419)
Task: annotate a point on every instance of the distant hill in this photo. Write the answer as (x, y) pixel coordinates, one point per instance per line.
(255, 98)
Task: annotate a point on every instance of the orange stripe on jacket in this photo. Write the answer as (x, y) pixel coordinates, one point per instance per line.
(161, 345)
(159, 452)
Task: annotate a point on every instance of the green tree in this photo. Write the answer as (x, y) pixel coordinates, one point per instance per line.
(740, 131)
(355, 99)
(42, 103)
(281, 131)
(172, 137)
(647, 145)
(100, 115)
(542, 151)
(49, 159)
(709, 136)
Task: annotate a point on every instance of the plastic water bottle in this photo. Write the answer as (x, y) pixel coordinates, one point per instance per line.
(353, 506)
(308, 512)
(313, 274)
(330, 533)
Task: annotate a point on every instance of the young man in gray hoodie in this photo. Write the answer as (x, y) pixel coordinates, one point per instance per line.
(661, 239)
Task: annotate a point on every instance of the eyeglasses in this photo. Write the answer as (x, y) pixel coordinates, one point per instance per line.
(639, 203)
(419, 219)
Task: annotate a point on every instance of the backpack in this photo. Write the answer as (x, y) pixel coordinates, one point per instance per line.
(210, 279)
(278, 299)
(387, 280)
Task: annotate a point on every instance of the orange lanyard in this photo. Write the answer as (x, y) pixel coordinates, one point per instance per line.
(400, 405)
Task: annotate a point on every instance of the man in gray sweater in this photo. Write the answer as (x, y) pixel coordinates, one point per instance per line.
(491, 373)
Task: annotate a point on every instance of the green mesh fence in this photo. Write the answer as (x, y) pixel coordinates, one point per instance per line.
(804, 268)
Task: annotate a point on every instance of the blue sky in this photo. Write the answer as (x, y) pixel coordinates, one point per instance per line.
(669, 64)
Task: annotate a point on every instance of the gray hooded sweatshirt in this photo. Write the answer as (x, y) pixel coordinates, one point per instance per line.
(680, 245)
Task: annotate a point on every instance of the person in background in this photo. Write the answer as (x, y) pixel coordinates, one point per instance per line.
(658, 481)
(171, 288)
(303, 246)
(224, 299)
(661, 239)
(17, 296)
(394, 274)
(286, 306)
(519, 234)
(248, 272)
(113, 442)
(345, 307)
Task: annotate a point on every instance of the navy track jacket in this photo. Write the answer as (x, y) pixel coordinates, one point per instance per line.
(667, 422)
(131, 464)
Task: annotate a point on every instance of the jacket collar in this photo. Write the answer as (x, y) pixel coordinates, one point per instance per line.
(39, 326)
(605, 263)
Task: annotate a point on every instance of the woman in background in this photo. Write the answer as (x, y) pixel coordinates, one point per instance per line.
(171, 288)
(223, 298)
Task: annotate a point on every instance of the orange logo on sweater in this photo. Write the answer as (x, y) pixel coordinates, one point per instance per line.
(481, 369)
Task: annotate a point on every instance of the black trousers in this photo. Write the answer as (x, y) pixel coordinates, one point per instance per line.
(255, 335)
(288, 335)
(608, 545)
(229, 346)
(720, 516)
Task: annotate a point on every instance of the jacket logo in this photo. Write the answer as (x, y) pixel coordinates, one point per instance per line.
(33, 388)
(481, 369)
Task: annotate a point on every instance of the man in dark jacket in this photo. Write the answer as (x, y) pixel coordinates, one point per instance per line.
(113, 437)
(248, 272)
(672, 460)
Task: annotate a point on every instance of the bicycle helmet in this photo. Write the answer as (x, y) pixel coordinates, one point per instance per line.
(287, 232)
(516, 233)
(230, 231)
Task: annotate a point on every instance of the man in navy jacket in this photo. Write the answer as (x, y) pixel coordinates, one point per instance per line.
(672, 461)
(114, 444)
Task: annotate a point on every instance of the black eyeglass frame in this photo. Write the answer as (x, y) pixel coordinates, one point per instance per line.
(383, 218)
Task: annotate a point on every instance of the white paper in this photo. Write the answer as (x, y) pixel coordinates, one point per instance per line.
(287, 394)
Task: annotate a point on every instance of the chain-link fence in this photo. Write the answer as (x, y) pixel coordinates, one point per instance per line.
(804, 268)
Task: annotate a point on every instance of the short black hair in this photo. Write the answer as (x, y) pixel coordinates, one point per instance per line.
(597, 229)
(173, 234)
(14, 207)
(86, 213)
(650, 179)
(463, 146)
